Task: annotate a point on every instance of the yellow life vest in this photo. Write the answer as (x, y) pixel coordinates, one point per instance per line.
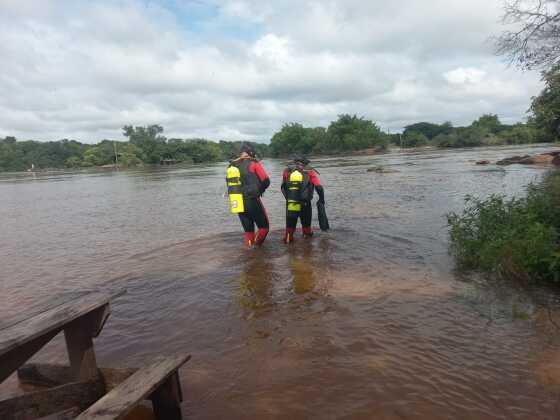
(295, 181)
(235, 190)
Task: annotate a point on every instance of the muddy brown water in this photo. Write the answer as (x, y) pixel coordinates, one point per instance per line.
(366, 321)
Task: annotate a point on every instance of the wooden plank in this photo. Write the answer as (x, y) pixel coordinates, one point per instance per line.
(50, 320)
(167, 399)
(45, 374)
(79, 343)
(52, 400)
(42, 306)
(117, 403)
(13, 359)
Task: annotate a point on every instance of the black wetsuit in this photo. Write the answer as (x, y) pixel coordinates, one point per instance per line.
(255, 181)
(306, 212)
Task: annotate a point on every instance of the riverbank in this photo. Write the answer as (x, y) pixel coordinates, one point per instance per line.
(516, 238)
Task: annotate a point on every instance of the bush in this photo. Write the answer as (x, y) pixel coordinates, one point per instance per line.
(414, 139)
(513, 238)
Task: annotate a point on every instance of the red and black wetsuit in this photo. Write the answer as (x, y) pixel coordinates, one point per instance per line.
(306, 212)
(255, 181)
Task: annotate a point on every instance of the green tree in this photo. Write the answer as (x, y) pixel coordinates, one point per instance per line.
(546, 106)
(350, 132)
(489, 122)
(430, 130)
(414, 139)
(520, 134)
(293, 138)
(149, 139)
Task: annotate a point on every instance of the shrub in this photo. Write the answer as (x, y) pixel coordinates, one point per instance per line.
(514, 238)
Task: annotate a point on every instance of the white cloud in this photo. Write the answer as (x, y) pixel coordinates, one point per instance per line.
(84, 69)
(462, 76)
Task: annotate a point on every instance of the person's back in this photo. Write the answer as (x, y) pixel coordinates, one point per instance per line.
(247, 181)
(299, 181)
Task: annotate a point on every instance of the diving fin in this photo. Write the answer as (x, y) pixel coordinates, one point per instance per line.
(322, 216)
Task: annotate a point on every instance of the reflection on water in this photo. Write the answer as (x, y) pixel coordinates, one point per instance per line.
(365, 321)
(256, 282)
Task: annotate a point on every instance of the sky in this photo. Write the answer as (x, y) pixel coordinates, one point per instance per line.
(240, 69)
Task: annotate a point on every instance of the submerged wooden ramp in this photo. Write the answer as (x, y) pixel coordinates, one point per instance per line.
(82, 387)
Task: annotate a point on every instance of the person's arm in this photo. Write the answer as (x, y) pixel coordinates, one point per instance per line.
(318, 187)
(262, 175)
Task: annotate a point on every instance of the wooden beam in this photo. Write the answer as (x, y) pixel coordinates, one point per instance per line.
(10, 361)
(79, 343)
(23, 328)
(52, 400)
(166, 399)
(45, 374)
(42, 306)
(120, 401)
(51, 320)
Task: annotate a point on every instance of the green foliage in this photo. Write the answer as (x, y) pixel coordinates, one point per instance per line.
(347, 133)
(520, 134)
(430, 130)
(546, 106)
(19, 156)
(488, 122)
(487, 130)
(515, 238)
(350, 132)
(149, 139)
(145, 145)
(293, 138)
(414, 139)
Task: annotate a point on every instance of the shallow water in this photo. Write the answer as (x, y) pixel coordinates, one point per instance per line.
(366, 321)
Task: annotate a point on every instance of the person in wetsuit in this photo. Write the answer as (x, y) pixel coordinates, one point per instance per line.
(299, 181)
(254, 181)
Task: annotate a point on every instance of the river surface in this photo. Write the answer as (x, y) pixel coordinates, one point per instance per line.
(366, 321)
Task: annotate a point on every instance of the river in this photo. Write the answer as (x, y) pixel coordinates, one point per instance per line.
(369, 320)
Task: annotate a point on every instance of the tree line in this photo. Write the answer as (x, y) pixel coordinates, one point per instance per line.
(487, 130)
(145, 145)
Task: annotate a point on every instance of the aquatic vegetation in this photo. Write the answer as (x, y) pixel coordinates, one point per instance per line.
(511, 238)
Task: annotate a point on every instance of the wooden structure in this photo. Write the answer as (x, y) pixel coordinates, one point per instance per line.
(159, 382)
(72, 389)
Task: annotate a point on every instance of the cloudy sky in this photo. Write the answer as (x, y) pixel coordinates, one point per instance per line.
(239, 69)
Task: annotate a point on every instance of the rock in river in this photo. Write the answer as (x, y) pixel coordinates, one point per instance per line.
(543, 158)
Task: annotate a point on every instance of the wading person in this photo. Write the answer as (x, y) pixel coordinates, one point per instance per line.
(299, 181)
(247, 181)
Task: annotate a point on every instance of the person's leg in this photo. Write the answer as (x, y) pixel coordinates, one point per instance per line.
(248, 227)
(261, 220)
(306, 216)
(291, 222)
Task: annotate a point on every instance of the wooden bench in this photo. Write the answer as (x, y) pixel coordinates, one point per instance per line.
(103, 393)
(158, 382)
(81, 316)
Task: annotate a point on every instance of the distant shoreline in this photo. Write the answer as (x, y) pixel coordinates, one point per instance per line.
(355, 153)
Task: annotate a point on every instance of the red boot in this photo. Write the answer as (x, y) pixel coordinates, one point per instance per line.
(288, 235)
(261, 236)
(307, 232)
(249, 239)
